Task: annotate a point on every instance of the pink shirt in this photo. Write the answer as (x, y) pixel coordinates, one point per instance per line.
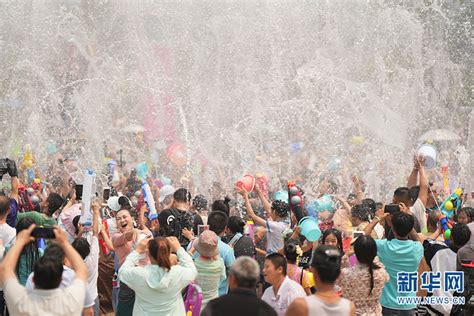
(122, 246)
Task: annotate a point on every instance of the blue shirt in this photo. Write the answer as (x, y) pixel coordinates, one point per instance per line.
(227, 254)
(398, 256)
(11, 217)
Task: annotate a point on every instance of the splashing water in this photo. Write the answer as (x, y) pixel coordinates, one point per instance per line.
(237, 84)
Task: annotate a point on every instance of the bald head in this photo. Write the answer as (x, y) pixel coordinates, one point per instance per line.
(4, 206)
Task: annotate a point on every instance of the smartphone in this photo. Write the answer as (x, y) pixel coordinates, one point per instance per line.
(106, 194)
(79, 192)
(202, 228)
(392, 208)
(43, 232)
(357, 233)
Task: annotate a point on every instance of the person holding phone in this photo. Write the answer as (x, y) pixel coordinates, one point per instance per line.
(49, 206)
(48, 275)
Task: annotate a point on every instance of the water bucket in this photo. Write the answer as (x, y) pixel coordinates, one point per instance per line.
(247, 182)
(429, 152)
(281, 196)
(142, 170)
(309, 228)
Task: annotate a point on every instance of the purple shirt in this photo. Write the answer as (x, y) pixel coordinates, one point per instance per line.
(11, 217)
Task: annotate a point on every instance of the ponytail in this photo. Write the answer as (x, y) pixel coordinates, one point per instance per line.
(371, 271)
(160, 251)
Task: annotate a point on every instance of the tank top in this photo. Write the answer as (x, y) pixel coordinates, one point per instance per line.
(316, 307)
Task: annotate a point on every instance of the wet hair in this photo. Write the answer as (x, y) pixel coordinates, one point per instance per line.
(361, 212)
(432, 219)
(217, 221)
(47, 273)
(327, 263)
(160, 250)
(75, 223)
(290, 250)
(55, 252)
(278, 260)
(280, 208)
(372, 206)
(402, 223)
(30, 253)
(221, 205)
(335, 232)
(82, 246)
(413, 192)
(200, 202)
(236, 224)
(460, 234)
(402, 194)
(366, 250)
(55, 201)
(182, 195)
(4, 206)
(469, 211)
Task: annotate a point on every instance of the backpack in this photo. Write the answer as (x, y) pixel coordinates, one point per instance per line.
(182, 219)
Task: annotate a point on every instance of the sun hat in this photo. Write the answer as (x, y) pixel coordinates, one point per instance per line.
(206, 244)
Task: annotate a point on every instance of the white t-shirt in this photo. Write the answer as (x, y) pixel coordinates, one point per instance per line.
(60, 301)
(67, 278)
(274, 235)
(287, 293)
(92, 263)
(419, 211)
(7, 234)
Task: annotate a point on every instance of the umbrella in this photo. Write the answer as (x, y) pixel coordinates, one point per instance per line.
(439, 135)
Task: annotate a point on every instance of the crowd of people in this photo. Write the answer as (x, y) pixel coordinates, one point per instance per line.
(241, 253)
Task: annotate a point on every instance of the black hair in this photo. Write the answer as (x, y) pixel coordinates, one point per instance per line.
(82, 246)
(372, 206)
(236, 224)
(278, 260)
(48, 273)
(402, 223)
(280, 208)
(469, 212)
(366, 250)
(335, 232)
(361, 212)
(327, 263)
(54, 251)
(75, 223)
(200, 202)
(217, 222)
(182, 195)
(4, 206)
(30, 252)
(402, 194)
(290, 250)
(221, 205)
(55, 201)
(413, 192)
(460, 234)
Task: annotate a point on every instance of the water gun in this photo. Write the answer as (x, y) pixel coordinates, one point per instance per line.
(193, 300)
(103, 245)
(88, 192)
(150, 201)
(452, 203)
(446, 226)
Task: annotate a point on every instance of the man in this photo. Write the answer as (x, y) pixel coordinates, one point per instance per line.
(242, 299)
(182, 202)
(7, 233)
(283, 290)
(466, 253)
(48, 207)
(217, 222)
(441, 258)
(398, 255)
(46, 298)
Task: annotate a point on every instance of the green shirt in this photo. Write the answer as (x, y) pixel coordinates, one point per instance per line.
(39, 218)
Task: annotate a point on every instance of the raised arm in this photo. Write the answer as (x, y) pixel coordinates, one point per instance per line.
(358, 188)
(423, 195)
(258, 220)
(379, 216)
(413, 177)
(266, 204)
(13, 172)
(95, 218)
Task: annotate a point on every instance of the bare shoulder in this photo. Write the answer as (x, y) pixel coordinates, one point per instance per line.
(297, 308)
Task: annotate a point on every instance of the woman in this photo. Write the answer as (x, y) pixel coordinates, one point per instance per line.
(123, 242)
(243, 245)
(158, 285)
(326, 267)
(292, 252)
(333, 237)
(363, 284)
(209, 265)
(465, 215)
